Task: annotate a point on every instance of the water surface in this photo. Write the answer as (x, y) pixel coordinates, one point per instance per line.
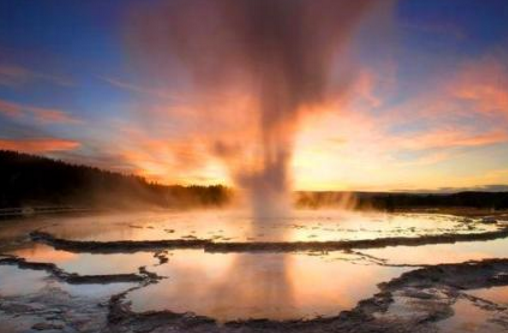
(261, 285)
(230, 286)
(238, 226)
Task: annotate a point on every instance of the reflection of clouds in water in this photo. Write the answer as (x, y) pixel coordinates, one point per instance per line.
(442, 253)
(259, 282)
(259, 285)
(232, 286)
(497, 295)
(44, 253)
(86, 263)
(15, 282)
(469, 317)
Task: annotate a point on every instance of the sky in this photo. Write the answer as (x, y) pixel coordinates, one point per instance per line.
(426, 106)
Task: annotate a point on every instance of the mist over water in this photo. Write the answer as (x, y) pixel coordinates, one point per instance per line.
(253, 71)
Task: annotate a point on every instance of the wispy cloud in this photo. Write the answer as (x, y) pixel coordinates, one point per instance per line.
(40, 114)
(159, 93)
(53, 116)
(11, 110)
(14, 75)
(415, 135)
(448, 138)
(39, 145)
(483, 84)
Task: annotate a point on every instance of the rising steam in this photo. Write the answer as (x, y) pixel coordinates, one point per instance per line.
(254, 69)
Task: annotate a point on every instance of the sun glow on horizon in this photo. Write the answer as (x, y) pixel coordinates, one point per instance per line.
(407, 105)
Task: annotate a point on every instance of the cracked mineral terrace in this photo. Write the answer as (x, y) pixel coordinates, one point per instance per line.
(211, 246)
(387, 273)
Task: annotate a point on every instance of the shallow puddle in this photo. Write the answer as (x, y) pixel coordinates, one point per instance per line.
(469, 317)
(275, 286)
(15, 281)
(86, 263)
(441, 253)
(498, 295)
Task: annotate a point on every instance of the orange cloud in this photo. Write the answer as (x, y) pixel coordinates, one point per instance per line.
(165, 159)
(375, 139)
(447, 138)
(53, 116)
(39, 145)
(43, 115)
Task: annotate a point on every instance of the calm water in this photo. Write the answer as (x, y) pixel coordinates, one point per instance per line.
(479, 317)
(230, 286)
(23, 282)
(277, 286)
(441, 253)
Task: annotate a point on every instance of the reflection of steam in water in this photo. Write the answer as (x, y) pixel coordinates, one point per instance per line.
(259, 288)
(259, 291)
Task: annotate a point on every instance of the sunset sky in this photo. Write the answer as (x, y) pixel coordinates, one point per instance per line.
(426, 108)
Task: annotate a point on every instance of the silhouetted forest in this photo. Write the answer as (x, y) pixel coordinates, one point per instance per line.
(394, 201)
(27, 180)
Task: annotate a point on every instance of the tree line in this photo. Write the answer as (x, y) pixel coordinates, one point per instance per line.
(28, 180)
(392, 201)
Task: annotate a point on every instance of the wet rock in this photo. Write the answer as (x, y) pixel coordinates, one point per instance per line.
(12, 307)
(71, 278)
(191, 241)
(161, 256)
(115, 246)
(489, 220)
(150, 277)
(43, 326)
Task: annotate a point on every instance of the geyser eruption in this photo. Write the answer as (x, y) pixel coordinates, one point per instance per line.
(254, 69)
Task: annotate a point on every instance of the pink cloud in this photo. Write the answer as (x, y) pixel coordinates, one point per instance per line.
(484, 84)
(39, 145)
(13, 75)
(11, 110)
(42, 115)
(53, 116)
(449, 138)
